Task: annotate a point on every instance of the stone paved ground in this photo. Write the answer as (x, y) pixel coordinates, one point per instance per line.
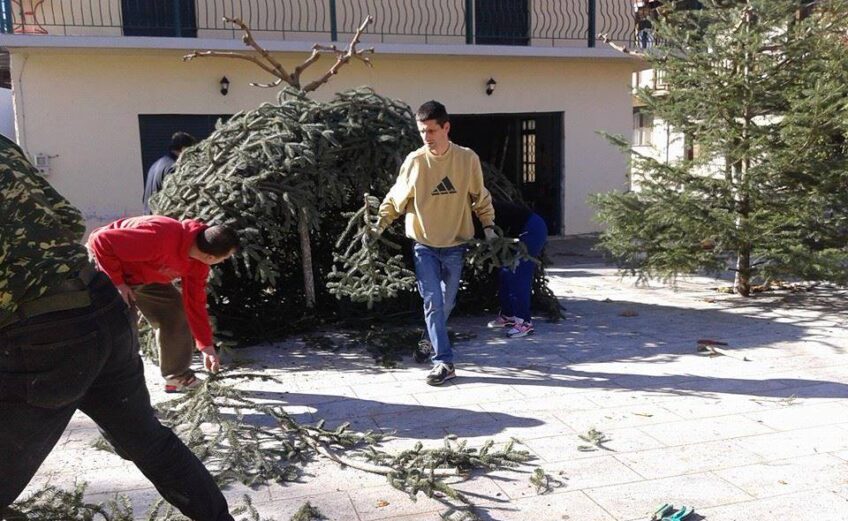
(764, 439)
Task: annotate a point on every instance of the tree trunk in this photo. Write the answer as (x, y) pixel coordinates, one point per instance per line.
(306, 260)
(742, 282)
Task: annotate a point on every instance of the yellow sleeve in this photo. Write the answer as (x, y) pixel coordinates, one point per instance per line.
(395, 202)
(481, 199)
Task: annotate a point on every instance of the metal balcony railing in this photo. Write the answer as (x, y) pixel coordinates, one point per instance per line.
(480, 22)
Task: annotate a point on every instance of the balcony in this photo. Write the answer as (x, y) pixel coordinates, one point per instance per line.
(530, 23)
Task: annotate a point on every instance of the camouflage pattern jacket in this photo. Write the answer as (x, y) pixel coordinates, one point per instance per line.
(40, 233)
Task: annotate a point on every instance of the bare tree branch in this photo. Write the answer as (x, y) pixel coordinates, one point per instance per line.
(248, 40)
(342, 57)
(316, 54)
(222, 54)
(267, 85)
(275, 68)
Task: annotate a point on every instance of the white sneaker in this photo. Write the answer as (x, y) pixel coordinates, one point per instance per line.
(501, 321)
(520, 329)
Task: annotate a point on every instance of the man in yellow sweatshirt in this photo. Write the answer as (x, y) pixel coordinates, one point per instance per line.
(438, 187)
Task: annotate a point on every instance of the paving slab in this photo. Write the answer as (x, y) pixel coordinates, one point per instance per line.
(334, 506)
(640, 499)
(816, 505)
(780, 477)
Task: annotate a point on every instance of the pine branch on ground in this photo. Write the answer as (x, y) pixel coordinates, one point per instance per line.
(424, 470)
(237, 450)
(596, 438)
(51, 504)
(147, 343)
(307, 513)
(213, 421)
(544, 482)
(162, 511)
(54, 504)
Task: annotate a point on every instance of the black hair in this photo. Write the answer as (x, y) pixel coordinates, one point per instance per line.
(181, 140)
(433, 110)
(217, 240)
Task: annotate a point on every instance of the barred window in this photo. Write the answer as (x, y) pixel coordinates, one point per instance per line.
(528, 150)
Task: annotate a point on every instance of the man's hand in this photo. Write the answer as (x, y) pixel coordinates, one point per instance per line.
(126, 294)
(372, 233)
(211, 360)
(490, 233)
(375, 230)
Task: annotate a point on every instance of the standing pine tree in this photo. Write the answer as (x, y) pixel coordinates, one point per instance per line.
(760, 87)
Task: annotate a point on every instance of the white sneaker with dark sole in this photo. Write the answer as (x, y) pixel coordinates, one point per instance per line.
(440, 374)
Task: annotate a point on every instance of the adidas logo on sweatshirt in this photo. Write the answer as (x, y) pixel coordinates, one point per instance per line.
(444, 188)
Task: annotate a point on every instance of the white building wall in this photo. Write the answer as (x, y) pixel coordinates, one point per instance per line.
(81, 108)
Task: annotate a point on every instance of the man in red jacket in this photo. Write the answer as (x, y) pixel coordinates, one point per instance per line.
(143, 256)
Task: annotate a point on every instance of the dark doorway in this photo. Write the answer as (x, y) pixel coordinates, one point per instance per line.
(502, 22)
(156, 130)
(159, 18)
(527, 148)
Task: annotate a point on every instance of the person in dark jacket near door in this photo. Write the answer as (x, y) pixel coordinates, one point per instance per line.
(515, 286)
(67, 343)
(164, 166)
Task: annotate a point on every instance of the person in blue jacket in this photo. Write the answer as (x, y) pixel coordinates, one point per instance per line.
(515, 286)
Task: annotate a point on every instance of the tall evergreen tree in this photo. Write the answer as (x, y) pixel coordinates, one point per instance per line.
(760, 86)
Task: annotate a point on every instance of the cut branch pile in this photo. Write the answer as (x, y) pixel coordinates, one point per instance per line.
(242, 440)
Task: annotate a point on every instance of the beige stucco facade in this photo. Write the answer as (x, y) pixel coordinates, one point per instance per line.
(80, 107)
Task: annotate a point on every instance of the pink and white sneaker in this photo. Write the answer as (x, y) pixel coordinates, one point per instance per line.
(182, 383)
(520, 329)
(501, 321)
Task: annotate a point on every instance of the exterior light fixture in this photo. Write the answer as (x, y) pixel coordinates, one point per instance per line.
(490, 86)
(225, 86)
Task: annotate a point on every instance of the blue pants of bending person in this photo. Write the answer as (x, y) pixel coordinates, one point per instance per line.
(515, 286)
(438, 271)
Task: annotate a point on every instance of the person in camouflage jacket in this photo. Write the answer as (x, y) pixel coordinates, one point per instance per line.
(67, 343)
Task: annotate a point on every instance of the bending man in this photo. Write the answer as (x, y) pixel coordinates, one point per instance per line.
(143, 256)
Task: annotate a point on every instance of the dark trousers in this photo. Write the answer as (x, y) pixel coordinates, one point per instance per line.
(515, 286)
(87, 359)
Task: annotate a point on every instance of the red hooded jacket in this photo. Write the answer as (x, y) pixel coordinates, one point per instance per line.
(154, 250)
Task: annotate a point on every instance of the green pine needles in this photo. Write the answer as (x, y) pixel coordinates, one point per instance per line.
(242, 438)
(51, 503)
(369, 272)
(757, 91)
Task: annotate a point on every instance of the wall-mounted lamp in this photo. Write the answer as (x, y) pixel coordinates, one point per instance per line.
(225, 86)
(490, 86)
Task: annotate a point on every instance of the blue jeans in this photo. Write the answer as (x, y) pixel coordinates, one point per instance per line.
(515, 286)
(438, 271)
(87, 359)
